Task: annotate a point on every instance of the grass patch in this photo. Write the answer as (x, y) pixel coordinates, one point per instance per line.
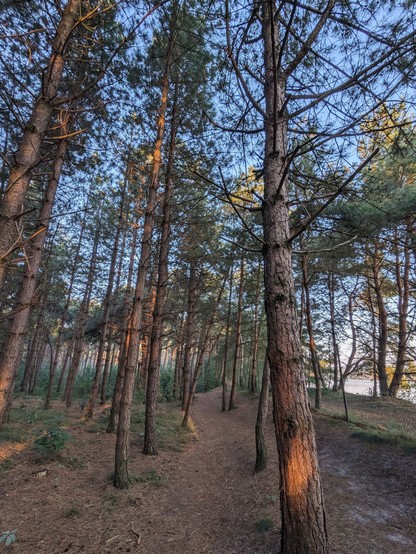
(11, 433)
(393, 416)
(376, 436)
(169, 433)
(150, 476)
(263, 525)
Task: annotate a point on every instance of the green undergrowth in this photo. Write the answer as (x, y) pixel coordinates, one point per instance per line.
(169, 433)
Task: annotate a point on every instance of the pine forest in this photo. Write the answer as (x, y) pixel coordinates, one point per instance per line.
(208, 276)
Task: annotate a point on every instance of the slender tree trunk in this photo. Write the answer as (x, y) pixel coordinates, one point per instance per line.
(81, 322)
(28, 155)
(382, 322)
(118, 388)
(12, 349)
(261, 448)
(189, 334)
(153, 372)
(256, 334)
(335, 350)
(237, 350)
(312, 345)
(403, 289)
(227, 337)
(67, 360)
(62, 322)
(89, 408)
(301, 498)
(121, 476)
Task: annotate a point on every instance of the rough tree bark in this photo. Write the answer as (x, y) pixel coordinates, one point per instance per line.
(261, 448)
(12, 348)
(301, 498)
(28, 154)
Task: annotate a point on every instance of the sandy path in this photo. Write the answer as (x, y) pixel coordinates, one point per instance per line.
(213, 500)
(209, 500)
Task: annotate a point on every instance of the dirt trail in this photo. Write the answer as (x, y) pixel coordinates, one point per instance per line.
(208, 499)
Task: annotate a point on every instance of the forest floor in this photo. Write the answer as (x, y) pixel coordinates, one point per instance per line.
(199, 494)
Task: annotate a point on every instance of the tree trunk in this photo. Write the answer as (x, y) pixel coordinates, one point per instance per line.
(28, 155)
(227, 337)
(12, 349)
(382, 322)
(312, 346)
(153, 370)
(237, 350)
(256, 334)
(200, 357)
(335, 350)
(62, 322)
(301, 498)
(189, 334)
(81, 321)
(121, 476)
(403, 289)
(89, 408)
(261, 448)
(118, 388)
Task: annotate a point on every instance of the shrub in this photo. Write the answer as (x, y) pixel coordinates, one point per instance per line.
(51, 442)
(8, 537)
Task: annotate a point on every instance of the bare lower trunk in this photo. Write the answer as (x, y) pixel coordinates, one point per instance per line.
(237, 350)
(261, 448)
(227, 336)
(301, 498)
(200, 358)
(153, 370)
(81, 322)
(312, 345)
(382, 322)
(335, 350)
(121, 476)
(256, 334)
(189, 334)
(89, 408)
(403, 289)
